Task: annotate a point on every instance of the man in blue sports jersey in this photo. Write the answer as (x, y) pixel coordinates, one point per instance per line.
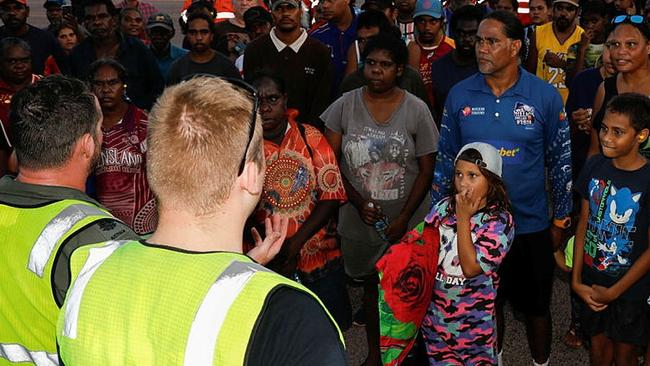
(523, 117)
(337, 34)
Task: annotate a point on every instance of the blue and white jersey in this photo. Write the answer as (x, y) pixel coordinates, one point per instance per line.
(529, 128)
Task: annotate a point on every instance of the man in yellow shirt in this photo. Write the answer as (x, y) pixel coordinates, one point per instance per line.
(550, 44)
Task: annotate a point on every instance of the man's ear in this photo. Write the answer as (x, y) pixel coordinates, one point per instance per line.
(515, 47)
(87, 146)
(400, 70)
(643, 135)
(249, 179)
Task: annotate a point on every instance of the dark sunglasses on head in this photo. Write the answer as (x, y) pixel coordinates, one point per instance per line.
(239, 84)
(636, 19)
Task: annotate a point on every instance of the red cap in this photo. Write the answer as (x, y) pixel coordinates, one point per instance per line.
(24, 2)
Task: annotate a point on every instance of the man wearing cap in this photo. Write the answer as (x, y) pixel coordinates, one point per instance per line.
(302, 62)
(14, 14)
(338, 34)
(258, 22)
(54, 12)
(523, 118)
(550, 44)
(431, 43)
(160, 30)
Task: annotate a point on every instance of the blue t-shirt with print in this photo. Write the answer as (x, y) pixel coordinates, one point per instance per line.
(617, 227)
(528, 126)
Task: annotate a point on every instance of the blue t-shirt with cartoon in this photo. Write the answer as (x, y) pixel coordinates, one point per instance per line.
(617, 227)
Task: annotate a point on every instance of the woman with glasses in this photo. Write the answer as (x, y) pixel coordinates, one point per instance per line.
(120, 176)
(385, 139)
(629, 47)
(300, 155)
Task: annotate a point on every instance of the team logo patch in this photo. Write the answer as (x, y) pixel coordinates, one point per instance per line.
(467, 111)
(524, 114)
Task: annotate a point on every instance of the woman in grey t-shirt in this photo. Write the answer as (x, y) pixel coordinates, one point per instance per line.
(385, 139)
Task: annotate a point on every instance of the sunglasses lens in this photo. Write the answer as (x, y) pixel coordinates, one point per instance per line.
(619, 19)
(636, 19)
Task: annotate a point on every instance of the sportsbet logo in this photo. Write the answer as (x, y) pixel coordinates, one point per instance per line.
(508, 153)
(511, 152)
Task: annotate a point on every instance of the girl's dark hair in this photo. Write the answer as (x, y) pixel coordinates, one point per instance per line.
(512, 27)
(497, 196)
(267, 74)
(67, 25)
(387, 42)
(635, 106)
(95, 66)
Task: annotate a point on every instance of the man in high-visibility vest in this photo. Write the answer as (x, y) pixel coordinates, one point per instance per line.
(44, 214)
(187, 295)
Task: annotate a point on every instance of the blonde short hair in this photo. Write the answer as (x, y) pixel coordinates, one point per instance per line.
(198, 131)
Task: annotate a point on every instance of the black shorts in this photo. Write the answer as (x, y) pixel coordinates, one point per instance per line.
(527, 274)
(623, 320)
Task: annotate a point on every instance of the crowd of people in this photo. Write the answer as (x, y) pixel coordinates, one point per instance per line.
(210, 202)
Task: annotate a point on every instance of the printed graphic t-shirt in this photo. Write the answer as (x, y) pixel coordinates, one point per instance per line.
(460, 324)
(547, 42)
(617, 228)
(121, 179)
(296, 181)
(380, 160)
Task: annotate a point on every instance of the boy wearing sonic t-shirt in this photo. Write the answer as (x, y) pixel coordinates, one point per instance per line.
(611, 256)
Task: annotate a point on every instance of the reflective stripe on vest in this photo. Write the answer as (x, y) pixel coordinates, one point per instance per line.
(17, 353)
(54, 230)
(202, 340)
(96, 256)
